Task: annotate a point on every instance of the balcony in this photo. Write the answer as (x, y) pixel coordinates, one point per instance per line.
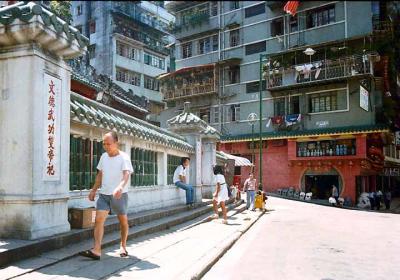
(142, 17)
(189, 82)
(319, 71)
(142, 37)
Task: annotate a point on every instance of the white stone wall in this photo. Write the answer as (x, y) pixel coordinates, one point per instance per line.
(140, 198)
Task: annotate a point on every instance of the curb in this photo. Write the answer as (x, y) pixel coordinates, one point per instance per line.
(219, 252)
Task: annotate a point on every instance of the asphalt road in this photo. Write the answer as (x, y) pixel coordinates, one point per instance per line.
(297, 240)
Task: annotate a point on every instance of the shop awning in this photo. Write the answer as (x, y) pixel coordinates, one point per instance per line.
(239, 161)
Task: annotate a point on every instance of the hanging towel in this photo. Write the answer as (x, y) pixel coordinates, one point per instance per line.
(292, 119)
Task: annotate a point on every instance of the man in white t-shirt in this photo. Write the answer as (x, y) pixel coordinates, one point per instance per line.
(181, 180)
(114, 169)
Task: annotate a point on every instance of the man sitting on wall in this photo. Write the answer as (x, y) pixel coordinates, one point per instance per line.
(181, 180)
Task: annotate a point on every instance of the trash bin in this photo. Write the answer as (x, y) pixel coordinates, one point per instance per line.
(259, 201)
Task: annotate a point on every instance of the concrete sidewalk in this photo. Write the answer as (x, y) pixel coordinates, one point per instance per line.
(185, 251)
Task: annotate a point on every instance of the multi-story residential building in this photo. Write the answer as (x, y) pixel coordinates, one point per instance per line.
(127, 43)
(324, 86)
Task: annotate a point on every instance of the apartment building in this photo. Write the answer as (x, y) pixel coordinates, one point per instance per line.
(128, 43)
(324, 86)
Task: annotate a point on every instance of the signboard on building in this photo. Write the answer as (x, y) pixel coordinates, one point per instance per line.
(397, 138)
(322, 123)
(364, 98)
(51, 131)
(391, 171)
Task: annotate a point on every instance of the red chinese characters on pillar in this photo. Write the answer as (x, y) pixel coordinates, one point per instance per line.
(51, 128)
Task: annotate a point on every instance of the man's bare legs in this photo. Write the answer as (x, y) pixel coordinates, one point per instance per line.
(101, 216)
(124, 225)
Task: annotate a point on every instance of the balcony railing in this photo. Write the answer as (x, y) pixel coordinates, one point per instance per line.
(139, 14)
(189, 91)
(321, 70)
(152, 44)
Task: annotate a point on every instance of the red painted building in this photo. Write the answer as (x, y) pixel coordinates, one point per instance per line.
(350, 158)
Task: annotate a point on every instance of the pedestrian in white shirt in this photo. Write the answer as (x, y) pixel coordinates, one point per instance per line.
(181, 180)
(221, 193)
(114, 169)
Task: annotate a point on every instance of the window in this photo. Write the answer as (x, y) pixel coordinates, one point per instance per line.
(186, 50)
(126, 50)
(234, 74)
(134, 78)
(294, 105)
(84, 157)
(92, 27)
(172, 164)
(214, 8)
(321, 16)
(254, 86)
(234, 5)
(204, 114)
(215, 42)
(121, 75)
(154, 61)
(204, 46)
(129, 77)
(92, 51)
(323, 102)
(254, 10)
(234, 38)
(235, 112)
(277, 27)
(256, 48)
(79, 9)
(293, 24)
(215, 111)
(151, 83)
(145, 167)
(279, 107)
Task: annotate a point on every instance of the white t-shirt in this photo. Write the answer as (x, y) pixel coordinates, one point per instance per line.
(223, 192)
(112, 168)
(179, 171)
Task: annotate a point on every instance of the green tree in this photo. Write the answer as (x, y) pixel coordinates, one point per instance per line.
(62, 9)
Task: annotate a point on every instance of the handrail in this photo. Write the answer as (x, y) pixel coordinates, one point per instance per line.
(328, 69)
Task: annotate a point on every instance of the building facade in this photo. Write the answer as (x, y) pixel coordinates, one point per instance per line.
(127, 43)
(324, 84)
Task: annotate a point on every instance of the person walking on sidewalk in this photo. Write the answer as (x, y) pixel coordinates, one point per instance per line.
(114, 169)
(250, 189)
(181, 180)
(388, 199)
(221, 193)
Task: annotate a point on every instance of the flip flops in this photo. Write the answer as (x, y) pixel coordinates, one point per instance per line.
(124, 254)
(89, 254)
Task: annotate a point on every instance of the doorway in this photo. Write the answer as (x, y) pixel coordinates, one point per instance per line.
(321, 185)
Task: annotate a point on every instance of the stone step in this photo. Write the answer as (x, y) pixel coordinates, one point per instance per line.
(147, 226)
(26, 249)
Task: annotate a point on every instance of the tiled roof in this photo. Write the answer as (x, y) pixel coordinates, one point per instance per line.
(307, 133)
(187, 119)
(90, 112)
(26, 11)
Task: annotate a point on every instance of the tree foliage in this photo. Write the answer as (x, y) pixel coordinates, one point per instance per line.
(62, 9)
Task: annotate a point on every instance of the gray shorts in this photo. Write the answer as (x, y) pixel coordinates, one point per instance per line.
(113, 205)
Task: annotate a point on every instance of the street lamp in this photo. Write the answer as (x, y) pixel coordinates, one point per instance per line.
(252, 119)
(262, 58)
(310, 52)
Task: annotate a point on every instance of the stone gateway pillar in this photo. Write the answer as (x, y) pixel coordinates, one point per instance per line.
(203, 138)
(34, 120)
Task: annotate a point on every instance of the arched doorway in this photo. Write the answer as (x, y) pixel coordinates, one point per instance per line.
(320, 182)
